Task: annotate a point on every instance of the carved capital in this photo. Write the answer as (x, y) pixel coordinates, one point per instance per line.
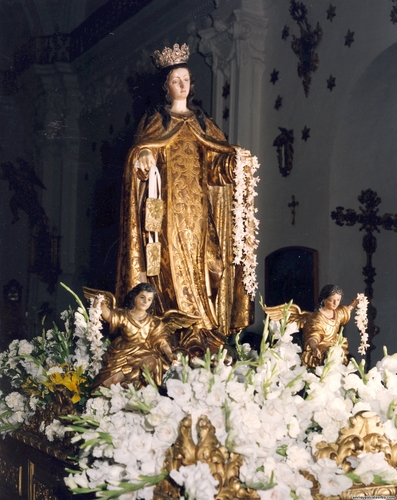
(237, 33)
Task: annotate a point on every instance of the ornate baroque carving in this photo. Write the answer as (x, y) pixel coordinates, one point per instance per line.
(224, 466)
(365, 435)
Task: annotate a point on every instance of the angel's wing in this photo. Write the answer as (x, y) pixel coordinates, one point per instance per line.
(175, 320)
(110, 299)
(276, 313)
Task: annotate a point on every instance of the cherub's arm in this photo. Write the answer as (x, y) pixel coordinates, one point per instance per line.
(166, 348)
(313, 344)
(353, 304)
(106, 312)
(108, 302)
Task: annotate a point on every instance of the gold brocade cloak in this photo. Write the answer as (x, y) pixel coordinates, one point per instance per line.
(137, 341)
(197, 275)
(325, 331)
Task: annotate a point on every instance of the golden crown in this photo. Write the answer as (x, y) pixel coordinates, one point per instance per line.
(169, 57)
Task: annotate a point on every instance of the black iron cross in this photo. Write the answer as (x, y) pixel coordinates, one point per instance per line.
(370, 222)
(294, 203)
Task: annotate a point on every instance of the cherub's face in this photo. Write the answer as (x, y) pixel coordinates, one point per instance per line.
(143, 301)
(333, 301)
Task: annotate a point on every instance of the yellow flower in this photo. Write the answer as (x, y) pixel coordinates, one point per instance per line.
(72, 380)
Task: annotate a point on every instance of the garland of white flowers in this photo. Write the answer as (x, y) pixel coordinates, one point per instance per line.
(361, 321)
(245, 224)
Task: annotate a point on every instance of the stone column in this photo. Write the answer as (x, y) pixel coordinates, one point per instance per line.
(235, 48)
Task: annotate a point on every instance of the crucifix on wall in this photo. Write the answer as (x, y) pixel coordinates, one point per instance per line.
(292, 205)
(370, 222)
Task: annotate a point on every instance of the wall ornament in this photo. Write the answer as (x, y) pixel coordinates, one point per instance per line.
(304, 46)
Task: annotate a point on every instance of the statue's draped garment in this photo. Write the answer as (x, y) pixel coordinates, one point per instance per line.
(197, 274)
(325, 331)
(137, 341)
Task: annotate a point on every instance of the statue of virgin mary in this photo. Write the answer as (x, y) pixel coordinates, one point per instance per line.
(181, 157)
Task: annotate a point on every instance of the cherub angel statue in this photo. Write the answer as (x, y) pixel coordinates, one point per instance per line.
(321, 327)
(144, 340)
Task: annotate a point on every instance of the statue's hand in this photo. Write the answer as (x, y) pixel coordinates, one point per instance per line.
(171, 356)
(315, 350)
(144, 163)
(353, 304)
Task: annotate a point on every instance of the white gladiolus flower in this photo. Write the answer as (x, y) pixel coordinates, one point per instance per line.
(55, 429)
(280, 492)
(198, 481)
(15, 401)
(371, 464)
(179, 391)
(25, 348)
(332, 484)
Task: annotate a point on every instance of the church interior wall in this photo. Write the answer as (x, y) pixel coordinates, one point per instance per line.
(323, 176)
(350, 147)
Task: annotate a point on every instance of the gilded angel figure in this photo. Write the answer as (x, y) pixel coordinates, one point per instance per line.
(143, 340)
(321, 327)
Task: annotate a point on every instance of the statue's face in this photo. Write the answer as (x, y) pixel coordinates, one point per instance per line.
(179, 83)
(143, 300)
(333, 301)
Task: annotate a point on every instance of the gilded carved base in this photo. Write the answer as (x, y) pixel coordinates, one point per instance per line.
(224, 466)
(365, 434)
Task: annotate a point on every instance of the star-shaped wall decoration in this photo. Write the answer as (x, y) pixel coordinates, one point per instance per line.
(274, 76)
(226, 90)
(331, 82)
(278, 102)
(285, 32)
(305, 134)
(225, 114)
(331, 12)
(349, 38)
(393, 15)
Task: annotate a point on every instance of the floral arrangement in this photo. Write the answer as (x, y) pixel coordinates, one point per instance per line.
(267, 407)
(53, 371)
(245, 224)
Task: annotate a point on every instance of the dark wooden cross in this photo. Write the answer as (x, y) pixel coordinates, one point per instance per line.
(370, 222)
(293, 206)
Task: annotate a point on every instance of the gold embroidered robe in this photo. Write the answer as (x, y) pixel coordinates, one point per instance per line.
(197, 275)
(325, 331)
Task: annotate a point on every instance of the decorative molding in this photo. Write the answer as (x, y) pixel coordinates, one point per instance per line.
(66, 47)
